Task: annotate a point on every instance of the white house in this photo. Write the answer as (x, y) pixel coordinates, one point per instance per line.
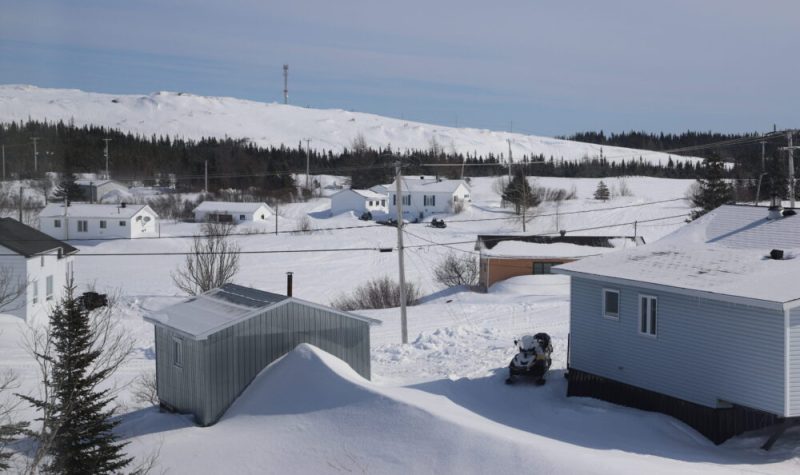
(423, 196)
(98, 221)
(99, 191)
(33, 270)
(231, 212)
(358, 201)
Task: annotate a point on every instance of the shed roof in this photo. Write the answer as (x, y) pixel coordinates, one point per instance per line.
(532, 250)
(724, 254)
(203, 315)
(230, 206)
(85, 210)
(27, 241)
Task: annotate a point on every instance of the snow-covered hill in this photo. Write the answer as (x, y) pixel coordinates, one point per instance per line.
(269, 124)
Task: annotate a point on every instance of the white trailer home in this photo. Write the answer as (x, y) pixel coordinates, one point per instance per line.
(98, 221)
(358, 201)
(34, 268)
(423, 196)
(703, 324)
(232, 212)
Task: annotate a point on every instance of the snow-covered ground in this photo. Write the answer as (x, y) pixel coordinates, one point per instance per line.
(435, 405)
(269, 124)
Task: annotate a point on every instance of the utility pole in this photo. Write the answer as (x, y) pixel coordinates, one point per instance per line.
(763, 156)
(35, 155)
(509, 158)
(205, 183)
(308, 161)
(108, 177)
(399, 200)
(276, 219)
(285, 83)
(20, 203)
(790, 151)
(4, 162)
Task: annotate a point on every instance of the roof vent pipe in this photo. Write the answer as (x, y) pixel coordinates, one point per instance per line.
(775, 208)
(288, 284)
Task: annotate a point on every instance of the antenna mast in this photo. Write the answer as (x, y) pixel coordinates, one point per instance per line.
(285, 83)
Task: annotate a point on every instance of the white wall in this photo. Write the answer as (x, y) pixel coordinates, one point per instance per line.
(133, 228)
(349, 200)
(443, 202)
(33, 273)
(261, 214)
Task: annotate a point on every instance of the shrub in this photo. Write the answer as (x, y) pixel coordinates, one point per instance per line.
(377, 293)
(602, 192)
(458, 207)
(304, 224)
(457, 269)
(145, 390)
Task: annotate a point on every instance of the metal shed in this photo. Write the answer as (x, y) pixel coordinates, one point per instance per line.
(210, 347)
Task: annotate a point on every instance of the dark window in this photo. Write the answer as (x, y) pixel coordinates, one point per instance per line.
(542, 267)
(123, 223)
(102, 224)
(611, 303)
(648, 315)
(242, 217)
(83, 226)
(177, 352)
(57, 223)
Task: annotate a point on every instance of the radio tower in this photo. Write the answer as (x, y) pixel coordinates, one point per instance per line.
(285, 83)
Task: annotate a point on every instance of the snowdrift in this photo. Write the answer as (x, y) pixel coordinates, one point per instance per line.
(269, 124)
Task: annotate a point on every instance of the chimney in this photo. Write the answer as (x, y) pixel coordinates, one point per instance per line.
(775, 208)
(288, 284)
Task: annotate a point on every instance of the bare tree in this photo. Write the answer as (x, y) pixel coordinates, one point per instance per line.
(145, 389)
(359, 144)
(457, 269)
(12, 286)
(212, 262)
(377, 293)
(10, 428)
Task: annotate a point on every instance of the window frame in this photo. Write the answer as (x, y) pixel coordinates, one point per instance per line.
(651, 329)
(619, 303)
(242, 217)
(83, 226)
(123, 223)
(35, 291)
(177, 352)
(48, 288)
(103, 224)
(57, 223)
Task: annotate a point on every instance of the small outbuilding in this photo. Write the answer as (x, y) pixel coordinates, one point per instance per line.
(358, 201)
(506, 256)
(232, 212)
(103, 191)
(211, 346)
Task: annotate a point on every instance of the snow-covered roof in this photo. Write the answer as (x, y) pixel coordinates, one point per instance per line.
(530, 250)
(85, 210)
(85, 182)
(724, 254)
(428, 185)
(203, 315)
(230, 206)
(370, 195)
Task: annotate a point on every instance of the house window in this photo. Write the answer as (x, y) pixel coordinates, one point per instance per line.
(383, 202)
(122, 224)
(56, 223)
(242, 217)
(49, 288)
(262, 216)
(177, 352)
(406, 200)
(648, 315)
(83, 225)
(35, 290)
(394, 200)
(102, 224)
(542, 267)
(41, 261)
(611, 303)
(429, 200)
(69, 270)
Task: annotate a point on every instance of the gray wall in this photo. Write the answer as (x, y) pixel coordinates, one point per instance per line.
(705, 350)
(229, 360)
(794, 363)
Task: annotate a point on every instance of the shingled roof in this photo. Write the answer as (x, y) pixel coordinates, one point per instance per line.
(27, 241)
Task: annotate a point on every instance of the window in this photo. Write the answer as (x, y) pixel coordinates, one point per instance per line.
(49, 288)
(383, 202)
(41, 261)
(177, 352)
(406, 200)
(56, 223)
(122, 224)
(648, 315)
(242, 217)
(394, 200)
(83, 226)
(102, 224)
(69, 270)
(611, 303)
(262, 216)
(429, 200)
(35, 290)
(542, 267)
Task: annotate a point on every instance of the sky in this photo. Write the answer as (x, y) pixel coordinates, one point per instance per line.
(548, 67)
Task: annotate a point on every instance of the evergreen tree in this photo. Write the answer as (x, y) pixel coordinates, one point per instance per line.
(601, 193)
(519, 192)
(68, 190)
(713, 190)
(78, 428)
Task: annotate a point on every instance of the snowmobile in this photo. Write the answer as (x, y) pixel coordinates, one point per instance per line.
(438, 223)
(533, 359)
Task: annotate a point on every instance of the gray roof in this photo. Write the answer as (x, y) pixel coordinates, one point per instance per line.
(203, 315)
(27, 241)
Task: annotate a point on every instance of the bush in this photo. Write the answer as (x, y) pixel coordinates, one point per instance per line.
(458, 207)
(602, 193)
(457, 269)
(377, 293)
(304, 225)
(145, 391)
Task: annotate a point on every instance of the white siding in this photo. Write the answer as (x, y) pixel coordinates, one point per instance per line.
(421, 206)
(794, 363)
(16, 267)
(705, 351)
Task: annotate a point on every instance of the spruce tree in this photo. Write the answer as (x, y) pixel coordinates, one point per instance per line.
(519, 192)
(68, 190)
(713, 190)
(601, 193)
(77, 436)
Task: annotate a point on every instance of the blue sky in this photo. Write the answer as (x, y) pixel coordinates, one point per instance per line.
(549, 67)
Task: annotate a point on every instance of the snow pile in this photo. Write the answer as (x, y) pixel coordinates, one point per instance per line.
(194, 117)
